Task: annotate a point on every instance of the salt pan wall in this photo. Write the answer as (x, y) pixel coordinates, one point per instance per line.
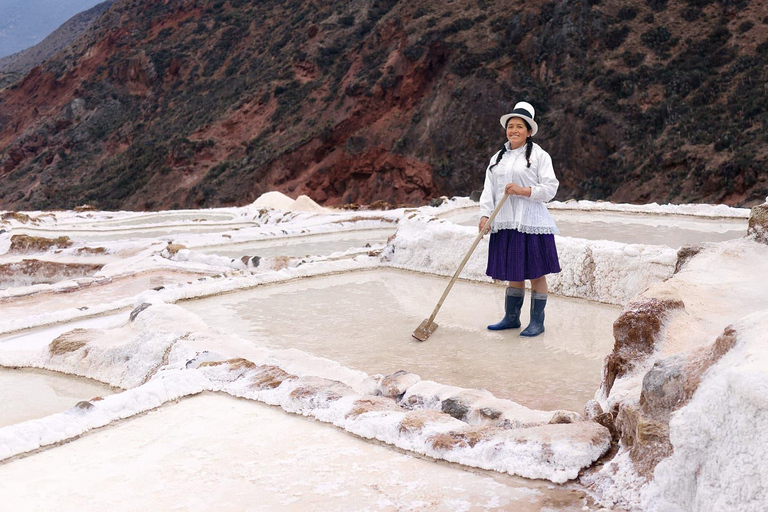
(599, 270)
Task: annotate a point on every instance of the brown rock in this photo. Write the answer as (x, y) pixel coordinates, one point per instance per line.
(175, 248)
(21, 217)
(684, 254)
(395, 385)
(70, 341)
(668, 386)
(469, 436)
(635, 333)
(758, 223)
(415, 421)
(626, 423)
(565, 417)
(270, 377)
(371, 404)
(39, 271)
(606, 420)
(592, 409)
(21, 244)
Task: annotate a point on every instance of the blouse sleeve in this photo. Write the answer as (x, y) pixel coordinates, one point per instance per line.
(547, 186)
(487, 199)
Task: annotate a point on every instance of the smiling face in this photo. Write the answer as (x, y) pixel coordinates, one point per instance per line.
(517, 132)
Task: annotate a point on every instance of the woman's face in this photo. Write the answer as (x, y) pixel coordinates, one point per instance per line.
(517, 132)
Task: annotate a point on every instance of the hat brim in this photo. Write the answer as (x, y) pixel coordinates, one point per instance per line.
(507, 117)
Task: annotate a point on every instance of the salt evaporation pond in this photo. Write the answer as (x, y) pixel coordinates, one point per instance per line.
(215, 452)
(27, 394)
(300, 246)
(101, 234)
(364, 320)
(632, 228)
(163, 218)
(17, 308)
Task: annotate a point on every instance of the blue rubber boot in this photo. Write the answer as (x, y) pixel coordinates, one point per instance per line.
(538, 303)
(512, 306)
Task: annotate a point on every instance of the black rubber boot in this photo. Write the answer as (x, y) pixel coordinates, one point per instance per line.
(538, 303)
(512, 306)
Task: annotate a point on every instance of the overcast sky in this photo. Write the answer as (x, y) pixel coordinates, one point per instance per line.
(24, 23)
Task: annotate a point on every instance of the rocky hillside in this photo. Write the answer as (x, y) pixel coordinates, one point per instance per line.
(189, 103)
(23, 61)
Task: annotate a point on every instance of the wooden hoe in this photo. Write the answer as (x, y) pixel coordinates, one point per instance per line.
(429, 326)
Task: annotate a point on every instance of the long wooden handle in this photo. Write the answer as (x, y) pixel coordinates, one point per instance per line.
(465, 260)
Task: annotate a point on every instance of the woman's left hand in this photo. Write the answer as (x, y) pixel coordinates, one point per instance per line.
(514, 189)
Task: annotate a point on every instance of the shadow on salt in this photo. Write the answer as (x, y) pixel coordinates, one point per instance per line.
(364, 321)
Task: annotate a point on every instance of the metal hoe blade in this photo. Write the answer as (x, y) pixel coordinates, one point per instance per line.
(428, 326)
(424, 330)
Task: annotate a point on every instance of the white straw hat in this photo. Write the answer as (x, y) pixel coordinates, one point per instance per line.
(525, 111)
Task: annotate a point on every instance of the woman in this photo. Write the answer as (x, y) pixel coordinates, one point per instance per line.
(522, 244)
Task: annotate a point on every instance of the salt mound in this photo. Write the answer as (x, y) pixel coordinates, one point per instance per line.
(276, 200)
(306, 204)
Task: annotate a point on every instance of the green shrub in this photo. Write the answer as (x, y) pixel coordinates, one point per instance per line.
(615, 37)
(627, 13)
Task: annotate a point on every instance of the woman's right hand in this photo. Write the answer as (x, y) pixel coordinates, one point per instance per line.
(481, 226)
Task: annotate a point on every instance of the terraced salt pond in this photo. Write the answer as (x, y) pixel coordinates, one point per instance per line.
(364, 320)
(215, 452)
(17, 308)
(670, 230)
(28, 394)
(302, 245)
(109, 234)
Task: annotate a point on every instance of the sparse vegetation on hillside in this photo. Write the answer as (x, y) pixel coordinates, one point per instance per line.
(193, 103)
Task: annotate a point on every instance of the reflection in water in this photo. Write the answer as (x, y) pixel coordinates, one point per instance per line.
(365, 320)
(31, 394)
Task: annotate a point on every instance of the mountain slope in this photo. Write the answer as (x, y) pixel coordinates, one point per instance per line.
(187, 103)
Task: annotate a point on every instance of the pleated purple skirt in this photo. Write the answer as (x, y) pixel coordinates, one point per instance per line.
(516, 256)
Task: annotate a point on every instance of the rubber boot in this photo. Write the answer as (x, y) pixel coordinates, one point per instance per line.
(538, 303)
(512, 306)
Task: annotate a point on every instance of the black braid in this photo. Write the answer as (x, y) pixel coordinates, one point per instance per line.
(501, 155)
(528, 149)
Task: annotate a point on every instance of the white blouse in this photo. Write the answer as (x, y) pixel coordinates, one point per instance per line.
(525, 214)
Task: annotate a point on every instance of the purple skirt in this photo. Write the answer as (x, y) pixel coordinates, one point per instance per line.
(516, 256)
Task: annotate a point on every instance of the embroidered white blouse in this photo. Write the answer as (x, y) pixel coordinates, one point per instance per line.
(525, 214)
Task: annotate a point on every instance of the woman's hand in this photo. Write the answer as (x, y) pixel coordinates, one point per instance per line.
(481, 226)
(514, 189)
